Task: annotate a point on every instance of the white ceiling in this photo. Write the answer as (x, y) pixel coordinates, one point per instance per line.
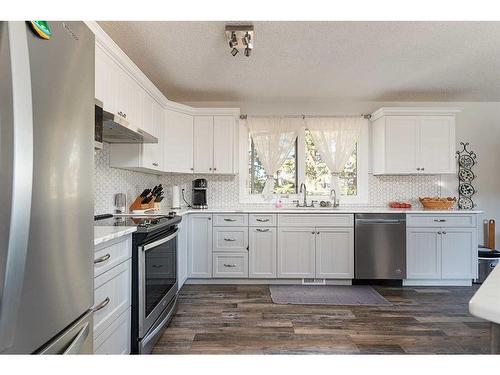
(370, 61)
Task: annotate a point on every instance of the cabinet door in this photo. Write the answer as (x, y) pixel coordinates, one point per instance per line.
(459, 250)
(262, 252)
(296, 252)
(200, 246)
(203, 147)
(437, 144)
(335, 253)
(105, 79)
(423, 254)
(123, 89)
(401, 144)
(178, 142)
(223, 144)
(182, 252)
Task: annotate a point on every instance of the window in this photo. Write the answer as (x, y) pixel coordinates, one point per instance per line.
(304, 164)
(318, 178)
(285, 180)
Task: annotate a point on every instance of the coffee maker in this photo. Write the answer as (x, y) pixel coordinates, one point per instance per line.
(200, 193)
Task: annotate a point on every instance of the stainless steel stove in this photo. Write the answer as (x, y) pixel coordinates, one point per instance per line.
(144, 223)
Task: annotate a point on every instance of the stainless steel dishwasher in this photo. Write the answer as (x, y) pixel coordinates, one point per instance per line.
(380, 246)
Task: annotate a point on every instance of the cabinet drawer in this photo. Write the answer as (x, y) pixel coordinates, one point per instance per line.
(116, 338)
(112, 254)
(262, 220)
(230, 220)
(233, 239)
(230, 265)
(316, 220)
(441, 221)
(111, 296)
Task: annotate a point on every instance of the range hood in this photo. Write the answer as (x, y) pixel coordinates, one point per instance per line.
(115, 129)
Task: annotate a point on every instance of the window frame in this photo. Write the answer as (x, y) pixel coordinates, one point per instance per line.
(362, 171)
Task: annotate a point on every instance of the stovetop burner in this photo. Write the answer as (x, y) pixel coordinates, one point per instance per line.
(144, 223)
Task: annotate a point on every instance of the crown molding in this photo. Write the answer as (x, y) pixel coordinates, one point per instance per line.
(414, 111)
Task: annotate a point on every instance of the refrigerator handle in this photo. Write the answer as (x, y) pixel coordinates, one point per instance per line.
(75, 346)
(20, 122)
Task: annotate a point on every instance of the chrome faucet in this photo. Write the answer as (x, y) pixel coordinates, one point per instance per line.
(303, 190)
(335, 201)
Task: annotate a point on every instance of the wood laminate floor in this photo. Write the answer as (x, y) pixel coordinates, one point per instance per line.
(241, 319)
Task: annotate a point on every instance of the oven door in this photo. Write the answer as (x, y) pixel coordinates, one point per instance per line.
(157, 278)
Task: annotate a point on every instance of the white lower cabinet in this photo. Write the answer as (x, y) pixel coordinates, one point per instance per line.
(423, 254)
(296, 252)
(182, 252)
(116, 338)
(262, 252)
(230, 265)
(441, 253)
(112, 296)
(457, 259)
(335, 253)
(200, 246)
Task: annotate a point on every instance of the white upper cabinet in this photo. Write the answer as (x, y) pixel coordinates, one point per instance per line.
(178, 149)
(106, 71)
(413, 141)
(203, 144)
(224, 135)
(214, 139)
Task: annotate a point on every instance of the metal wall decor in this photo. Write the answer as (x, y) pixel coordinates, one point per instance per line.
(466, 160)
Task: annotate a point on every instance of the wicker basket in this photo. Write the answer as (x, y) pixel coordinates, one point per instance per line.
(438, 203)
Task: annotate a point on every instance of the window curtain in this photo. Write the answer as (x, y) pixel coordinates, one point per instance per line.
(335, 139)
(273, 138)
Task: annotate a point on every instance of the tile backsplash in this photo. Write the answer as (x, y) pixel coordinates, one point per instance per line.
(223, 191)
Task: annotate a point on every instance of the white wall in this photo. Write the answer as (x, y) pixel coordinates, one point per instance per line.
(478, 124)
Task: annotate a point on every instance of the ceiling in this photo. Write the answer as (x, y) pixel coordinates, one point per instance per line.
(365, 61)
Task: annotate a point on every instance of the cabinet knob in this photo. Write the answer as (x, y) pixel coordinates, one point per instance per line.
(192, 169)
(209, 169)
(215, 169)
(439, 232)
(209, 218)
(444, 232)
(418, 169)
(422, 169)
(155, 164)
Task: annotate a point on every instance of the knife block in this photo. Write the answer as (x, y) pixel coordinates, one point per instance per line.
(137, 205)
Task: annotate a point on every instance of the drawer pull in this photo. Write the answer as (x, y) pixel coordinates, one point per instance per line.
(102, 259)
(226, 219)
(229, 239)
(262, 220)
(157, 266)
(262, 230)
(102, 305)
(440, 220)
(229, 265)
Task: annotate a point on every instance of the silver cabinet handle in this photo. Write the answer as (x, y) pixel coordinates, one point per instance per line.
(102, 305)
(229, 219)
(157, 266)
(262, 230)
(156, 164)
(229, 265)
(102, 259)
(439, 232)
(439, 220)
(262, 220)
(230, 239)
(444, 232)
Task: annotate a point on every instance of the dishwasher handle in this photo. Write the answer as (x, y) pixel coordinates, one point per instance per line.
(380, 221)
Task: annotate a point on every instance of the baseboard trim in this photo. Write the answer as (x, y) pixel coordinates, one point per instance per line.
(458, 282)
(260, 281)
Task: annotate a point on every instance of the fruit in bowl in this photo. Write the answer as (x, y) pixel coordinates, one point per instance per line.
(399, 205)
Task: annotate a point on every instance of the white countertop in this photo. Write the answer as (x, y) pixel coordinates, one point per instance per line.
(485, 303)
(291, 210)
(106, 233)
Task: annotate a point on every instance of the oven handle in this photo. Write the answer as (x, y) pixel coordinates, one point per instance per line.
(159, 242)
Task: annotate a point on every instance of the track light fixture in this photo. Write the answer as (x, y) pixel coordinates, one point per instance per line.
(233, 42)
(237, 33)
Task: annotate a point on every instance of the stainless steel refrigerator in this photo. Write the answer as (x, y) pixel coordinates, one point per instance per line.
(46, 188)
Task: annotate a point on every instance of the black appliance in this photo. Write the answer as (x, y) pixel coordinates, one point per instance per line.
(154, 275)
(200, 193)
